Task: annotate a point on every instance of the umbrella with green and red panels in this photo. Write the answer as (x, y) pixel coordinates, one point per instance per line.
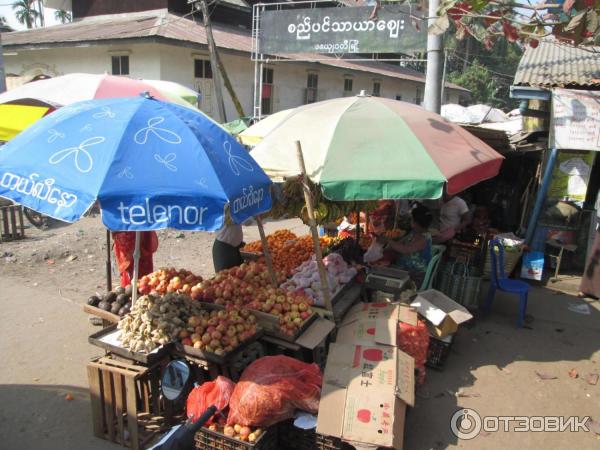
(370, 148)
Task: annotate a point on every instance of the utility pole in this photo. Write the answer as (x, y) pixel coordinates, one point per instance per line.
(2, 74)
(433, 78)
(212, 51)
(229, 87)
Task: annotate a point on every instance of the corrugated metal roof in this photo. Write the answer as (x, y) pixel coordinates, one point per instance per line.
(554, 64)
(161, 23)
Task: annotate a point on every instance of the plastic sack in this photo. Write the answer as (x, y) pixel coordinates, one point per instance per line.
(272, 388)
(414, 341)
(217, 392)
(373, 253)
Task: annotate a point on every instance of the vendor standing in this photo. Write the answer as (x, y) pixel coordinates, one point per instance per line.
(454, 217)
(226, 248)
(590, 281)
(124, 247)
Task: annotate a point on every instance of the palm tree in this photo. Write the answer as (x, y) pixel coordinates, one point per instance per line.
(62, 15)
(25, 12)
(40, 5)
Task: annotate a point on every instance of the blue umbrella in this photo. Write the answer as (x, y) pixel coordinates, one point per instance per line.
(150, 164)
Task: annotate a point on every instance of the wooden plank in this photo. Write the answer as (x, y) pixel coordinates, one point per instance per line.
(119, 402)
(6, 227)
(21, 224)
(144, 390)
(13, 223)
(132, 425)
(153, 379)
(96, 401)
(109, 404)
(105, 315)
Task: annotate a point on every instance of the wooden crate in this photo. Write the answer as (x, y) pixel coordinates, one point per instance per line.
(11, 223)
(126, 406)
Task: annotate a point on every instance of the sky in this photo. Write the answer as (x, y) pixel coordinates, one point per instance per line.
(7, 11)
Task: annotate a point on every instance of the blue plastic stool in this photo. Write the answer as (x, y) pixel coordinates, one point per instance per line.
(501, 282)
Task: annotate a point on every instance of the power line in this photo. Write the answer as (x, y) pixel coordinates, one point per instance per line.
(489, 70)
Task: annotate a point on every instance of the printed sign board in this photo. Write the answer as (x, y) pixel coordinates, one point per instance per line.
(575, 120)
(342, 30)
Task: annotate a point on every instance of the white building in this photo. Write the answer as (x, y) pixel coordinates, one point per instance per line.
(158, 44)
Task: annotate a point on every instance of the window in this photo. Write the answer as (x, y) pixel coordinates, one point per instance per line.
(312, 83)
(376, 89)
(202, 69)
(267, 91)
(399, 97)
(120, 65)
(419, 95)
(348, 85)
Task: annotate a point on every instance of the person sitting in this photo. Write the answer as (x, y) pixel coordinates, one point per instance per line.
(413, 251)
(454, 218)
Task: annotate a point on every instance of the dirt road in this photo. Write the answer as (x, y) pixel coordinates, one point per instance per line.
(494, 368)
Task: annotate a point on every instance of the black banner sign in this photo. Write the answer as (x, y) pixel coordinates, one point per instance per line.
(341, 30)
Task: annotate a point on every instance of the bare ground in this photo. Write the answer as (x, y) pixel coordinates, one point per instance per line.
(46, 278)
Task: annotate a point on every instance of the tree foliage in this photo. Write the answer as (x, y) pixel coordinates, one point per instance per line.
(478, 79)
(573, 21)
(25, 12)
(62, 15)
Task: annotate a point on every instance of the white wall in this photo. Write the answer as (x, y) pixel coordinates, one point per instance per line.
(89, 59)
(176, 63)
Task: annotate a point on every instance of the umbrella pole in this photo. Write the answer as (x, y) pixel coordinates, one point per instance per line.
(266, 251)
(313, 230)
(136, 268)
(357, 227)
(108, 264)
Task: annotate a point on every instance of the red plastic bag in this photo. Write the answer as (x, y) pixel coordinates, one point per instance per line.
(216, 393)
(272, 388)
(414, 340)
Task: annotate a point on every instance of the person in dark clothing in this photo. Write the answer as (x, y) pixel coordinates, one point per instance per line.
(226, 248)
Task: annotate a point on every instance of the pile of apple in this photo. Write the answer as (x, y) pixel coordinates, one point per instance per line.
(237, 431)
(168, 280)
(236, 285)
(292, 308)
(218, 331)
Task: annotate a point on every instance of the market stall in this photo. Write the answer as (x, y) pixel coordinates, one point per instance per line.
(256, 337)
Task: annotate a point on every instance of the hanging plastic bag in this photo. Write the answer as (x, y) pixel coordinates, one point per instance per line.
(374, 252)
(272, 388)
(217, 392)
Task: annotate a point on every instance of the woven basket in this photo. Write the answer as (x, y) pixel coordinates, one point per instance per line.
(511, 260)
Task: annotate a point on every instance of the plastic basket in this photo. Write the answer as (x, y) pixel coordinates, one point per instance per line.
(438, 351)
(461, 283)
(293, 438)
(212, 440)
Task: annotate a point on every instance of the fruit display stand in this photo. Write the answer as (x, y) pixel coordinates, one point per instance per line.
(108, 339)
(126, 406)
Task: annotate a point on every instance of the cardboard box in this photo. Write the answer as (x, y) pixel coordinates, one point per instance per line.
(441, 311)
(372, 323)
(368, 381)
(365, 392)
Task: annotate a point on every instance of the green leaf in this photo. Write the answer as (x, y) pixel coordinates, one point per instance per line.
(440, 26)
(576, 21)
